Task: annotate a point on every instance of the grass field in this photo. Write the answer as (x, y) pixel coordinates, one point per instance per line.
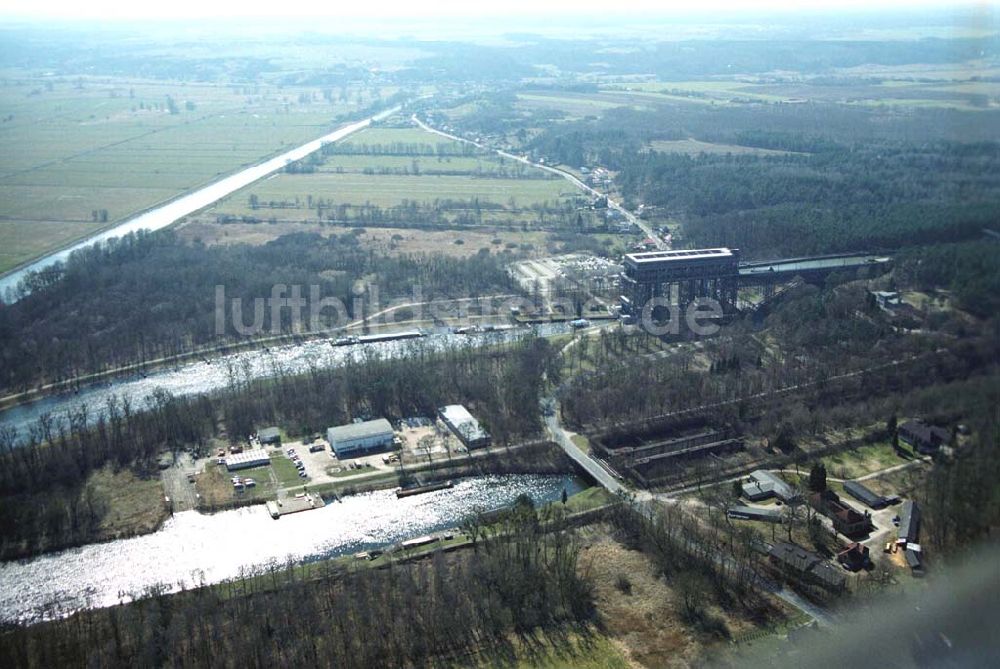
(388, 241)
(946, 88)
(134, 505)
(861, 461)
(78, 154)
(391, 190)
(694, 147)
(453, 186)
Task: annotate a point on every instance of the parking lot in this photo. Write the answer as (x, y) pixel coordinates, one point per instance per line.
(312, 461)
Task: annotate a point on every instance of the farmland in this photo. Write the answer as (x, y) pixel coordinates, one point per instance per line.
(79, 154)
(403, 177)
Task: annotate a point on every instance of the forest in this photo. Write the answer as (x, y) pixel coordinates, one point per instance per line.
(971, 270)
(44, 499)
(850, 179)
(871, 196)
(832, 347)
(150, 295)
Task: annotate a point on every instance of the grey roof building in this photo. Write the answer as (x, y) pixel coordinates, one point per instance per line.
(464, 426)
(269, 435)
(357, 439)
(768, 515)
(909, 522)
(913, 561)
(925, 438)
(798, 561)
(859, 492)
(763, 484)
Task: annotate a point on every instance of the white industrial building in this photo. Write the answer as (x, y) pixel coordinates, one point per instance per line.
(349, 441)
(254, 458)
(464, 426)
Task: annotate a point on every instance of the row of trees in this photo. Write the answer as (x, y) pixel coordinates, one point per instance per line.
(447, 213)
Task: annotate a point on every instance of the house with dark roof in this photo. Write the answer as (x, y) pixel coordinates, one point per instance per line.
(846, 519)
(909, 523)
(858, 491)
(793, 560)
(913, 562)
(854, 557)
(769, 514)
(926, 439)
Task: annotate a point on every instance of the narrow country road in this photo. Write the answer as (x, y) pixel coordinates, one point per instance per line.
(572, 178)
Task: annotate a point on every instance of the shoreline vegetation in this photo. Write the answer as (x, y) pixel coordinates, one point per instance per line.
(60, 457)
(126, 505)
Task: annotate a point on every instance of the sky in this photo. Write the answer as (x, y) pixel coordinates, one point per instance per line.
(394, 9)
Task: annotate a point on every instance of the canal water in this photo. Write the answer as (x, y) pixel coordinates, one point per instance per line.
(176, 209)
(193, 548)
(202, 377)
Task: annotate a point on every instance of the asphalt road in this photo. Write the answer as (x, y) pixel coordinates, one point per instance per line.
(592, 467)
(572, 178)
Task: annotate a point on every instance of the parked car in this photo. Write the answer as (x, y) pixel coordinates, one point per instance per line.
(302, 474)
(249, 483)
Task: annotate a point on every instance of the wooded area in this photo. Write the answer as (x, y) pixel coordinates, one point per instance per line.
(150, 295)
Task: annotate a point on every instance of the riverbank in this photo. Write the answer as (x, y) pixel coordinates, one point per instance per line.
(110, 505)
(193, 549)
(531, 458)
(207, 355)
(115, 505)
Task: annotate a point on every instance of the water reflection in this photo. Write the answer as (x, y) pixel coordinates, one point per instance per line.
(191, 547)
(202, 377)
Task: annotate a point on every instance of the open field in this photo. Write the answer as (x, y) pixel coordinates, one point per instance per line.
(392, 190)
(694, 147)
(134, 505)
(573, 104)
(78, 154)
(402, 177)
(861, 461)
(946, 88)
(389, 241)
(643, 613)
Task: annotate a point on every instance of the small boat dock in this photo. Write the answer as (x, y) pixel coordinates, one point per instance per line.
(420, 489)
(301, 502)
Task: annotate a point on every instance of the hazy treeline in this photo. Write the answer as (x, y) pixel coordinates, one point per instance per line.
(521, 578)
(440, 149)
(150, 295)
